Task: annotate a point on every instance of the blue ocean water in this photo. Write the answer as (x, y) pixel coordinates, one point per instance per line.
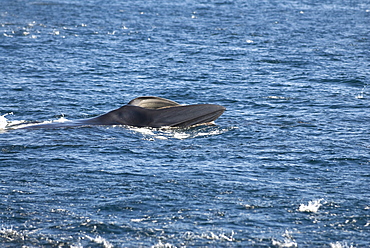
(287, 165)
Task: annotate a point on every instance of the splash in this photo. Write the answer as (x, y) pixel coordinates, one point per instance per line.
(180, 134)
(220, 236)
(340, 245)
(23, 124)
(9, 234)
(312, 206)
(210, 236)
(287, 242)
(361, 95)
(279, 97)
(99, 240)
(161, 245)
(4, 121)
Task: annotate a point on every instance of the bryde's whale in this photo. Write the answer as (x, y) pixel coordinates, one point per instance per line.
(148, 111)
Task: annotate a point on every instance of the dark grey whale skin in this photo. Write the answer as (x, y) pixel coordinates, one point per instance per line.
(158, 112)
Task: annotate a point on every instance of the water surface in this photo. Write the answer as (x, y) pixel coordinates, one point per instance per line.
(287, 165)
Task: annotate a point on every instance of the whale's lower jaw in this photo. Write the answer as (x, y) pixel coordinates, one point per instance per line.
(199, 120)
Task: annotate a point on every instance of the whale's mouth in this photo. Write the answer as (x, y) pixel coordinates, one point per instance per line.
(199, 120)
(186, 116)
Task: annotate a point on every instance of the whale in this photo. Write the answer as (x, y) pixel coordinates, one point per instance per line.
(147, 111)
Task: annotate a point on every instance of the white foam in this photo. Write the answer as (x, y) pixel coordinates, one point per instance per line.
(4, 121)
(143, 130)
(11, 234)
(312, 206)
(340, 245)
(77, 246)
(175, 133)
(181, 135)
(22, 124)
(360, 95)
(140, 220)
(161, 245)
(7, 231)
(278, 97)
(210, 235)
(99, 240)
(287, 242)
(61, 119)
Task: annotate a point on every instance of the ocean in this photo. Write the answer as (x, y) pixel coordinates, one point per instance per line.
(287, 164)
